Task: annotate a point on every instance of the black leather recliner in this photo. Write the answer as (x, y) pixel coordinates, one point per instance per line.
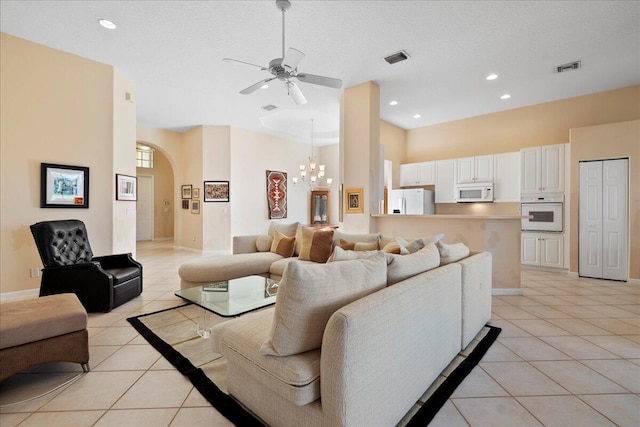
(101, 283)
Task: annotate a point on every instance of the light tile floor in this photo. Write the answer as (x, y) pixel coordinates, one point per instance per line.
(568, 355)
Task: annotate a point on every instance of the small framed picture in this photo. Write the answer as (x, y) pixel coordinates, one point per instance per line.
(63, 186)
(216, 191)
(216, 287)
(196, 193)
(185, 204)
(195, 206)
(126, 187)
(353, 200)
(186, 191)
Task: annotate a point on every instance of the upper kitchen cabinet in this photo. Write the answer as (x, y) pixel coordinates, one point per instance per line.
(506, 177)
(542, 169)
(412, 174)
(445, 181)
(474, 169)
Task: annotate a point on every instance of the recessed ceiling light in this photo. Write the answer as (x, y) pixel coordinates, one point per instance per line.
(265, 86)
(492, 76)
(109, 25)
(393, 103)
(505, 96)
(416, 116)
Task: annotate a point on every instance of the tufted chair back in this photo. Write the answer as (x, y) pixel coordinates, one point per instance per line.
(62, 242)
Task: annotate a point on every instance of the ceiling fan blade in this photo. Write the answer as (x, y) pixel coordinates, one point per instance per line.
(296, 93)
(255, 87)
(319, 80)
(292, 58)
(243, 62)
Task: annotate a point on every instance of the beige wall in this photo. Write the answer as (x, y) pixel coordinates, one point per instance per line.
(163, 191)
(191, 146)
(216, 166)
(510, 130)
(394, 140)
(614, 140)
(58, 108)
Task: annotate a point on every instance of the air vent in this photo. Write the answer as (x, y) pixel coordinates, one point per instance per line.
(269, 107)
(568, 67)
(397, 57)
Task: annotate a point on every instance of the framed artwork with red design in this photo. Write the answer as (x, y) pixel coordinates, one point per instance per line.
(277, 194)
(216, 191)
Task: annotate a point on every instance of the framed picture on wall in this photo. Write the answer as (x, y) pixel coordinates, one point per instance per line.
(186, 191)
(185, 204)
(216, 191)
(64, 186)
(195, 206)
(353, 200)
(126, 187)
(196, 193)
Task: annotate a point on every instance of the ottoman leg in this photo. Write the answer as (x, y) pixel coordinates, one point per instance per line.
(85, 367)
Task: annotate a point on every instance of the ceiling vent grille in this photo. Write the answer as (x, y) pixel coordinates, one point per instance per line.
(397, 57)
(269, 107)
(568, 67)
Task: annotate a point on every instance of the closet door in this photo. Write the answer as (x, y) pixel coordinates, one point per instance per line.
(590, 221)
(615, 213)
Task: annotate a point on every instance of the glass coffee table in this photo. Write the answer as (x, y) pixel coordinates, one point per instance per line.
(230, 298)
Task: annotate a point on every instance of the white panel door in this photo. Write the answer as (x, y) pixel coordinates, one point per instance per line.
(427, 173)
(530, 248)
(483, 168)
(445, 181)
(603, 219)
(615, 191)
(551, 250)
(465, 169)
(506, 177)
(552, 172)
(408, 174)
(530, 164)
(144, 208)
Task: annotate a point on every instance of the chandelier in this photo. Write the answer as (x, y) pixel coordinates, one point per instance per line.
(313, 173)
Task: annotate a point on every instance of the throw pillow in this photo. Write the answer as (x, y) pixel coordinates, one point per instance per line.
(394, 248)
(288, 230)
(358, 246)
(309, 294)
(283, 245)
(364, 238)
(452, 253)
(401, 267)
(340, 254)
(413, 246)
(316, 245)
(263, 243)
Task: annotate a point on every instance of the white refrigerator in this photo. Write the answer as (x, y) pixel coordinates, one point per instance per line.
(412, 202)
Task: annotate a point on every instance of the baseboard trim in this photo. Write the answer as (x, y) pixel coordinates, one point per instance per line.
(12, 296)
(507, 291)
(201, 251)
(575, 275)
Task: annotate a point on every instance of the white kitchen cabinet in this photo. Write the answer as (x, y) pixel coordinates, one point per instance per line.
(445, 181)
(542, 249)
(417, 174)
(542, 169)
(506, 177)
(474, 169)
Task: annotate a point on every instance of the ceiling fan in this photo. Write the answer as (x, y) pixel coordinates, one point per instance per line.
(285, 68)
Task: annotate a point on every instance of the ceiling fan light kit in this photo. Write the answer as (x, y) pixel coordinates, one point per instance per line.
(285, 68)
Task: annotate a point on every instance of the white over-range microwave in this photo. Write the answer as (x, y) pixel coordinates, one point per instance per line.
(474, 192)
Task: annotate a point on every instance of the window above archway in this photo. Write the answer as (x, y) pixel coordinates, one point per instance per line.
(144, 156)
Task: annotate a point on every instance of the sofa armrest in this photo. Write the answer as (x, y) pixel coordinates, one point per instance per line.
(476, 294)
(245, 244)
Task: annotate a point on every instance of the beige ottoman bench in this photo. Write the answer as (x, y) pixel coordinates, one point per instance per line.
(41, 330)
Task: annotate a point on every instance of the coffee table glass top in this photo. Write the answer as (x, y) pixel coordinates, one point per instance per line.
(233, 297)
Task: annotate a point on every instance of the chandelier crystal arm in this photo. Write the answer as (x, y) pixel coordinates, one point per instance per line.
(313, 173)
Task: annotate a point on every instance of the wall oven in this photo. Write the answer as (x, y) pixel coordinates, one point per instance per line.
(545, 213)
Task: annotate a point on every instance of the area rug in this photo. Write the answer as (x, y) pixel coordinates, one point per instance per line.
(173, 333)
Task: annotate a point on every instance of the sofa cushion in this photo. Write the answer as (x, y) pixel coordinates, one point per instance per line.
(358, 246)
(225, 267)
(295, 378)
(394, 247)
(263, 243)
(401, 267)
(411, 246)
(288, 230)
(309, 294)
(340, 254)
(452, 253)
(283, 245)
(278, 267)
(316, 244)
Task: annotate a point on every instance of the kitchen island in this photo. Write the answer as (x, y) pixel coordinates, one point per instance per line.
(498, 234)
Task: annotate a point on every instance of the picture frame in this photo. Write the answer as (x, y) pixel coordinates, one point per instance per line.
(64, 186)
(185, 204)
(353, 201)
(216, 191)
(216, 287)
(195, 207)
(196, 193)
(126, 187)
(186, 191)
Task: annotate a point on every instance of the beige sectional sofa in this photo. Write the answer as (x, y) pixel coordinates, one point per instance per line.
(368, 358)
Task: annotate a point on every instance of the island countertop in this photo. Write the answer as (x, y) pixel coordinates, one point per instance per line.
(445, 216)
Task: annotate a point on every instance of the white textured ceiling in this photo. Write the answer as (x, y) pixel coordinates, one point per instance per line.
(173, 52)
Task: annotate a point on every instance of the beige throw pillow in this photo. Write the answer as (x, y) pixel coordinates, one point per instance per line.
(401, 267)
(288, 230)
(358, 246)
(452, 253)
(309, 294)
(394, 247)
(283, 245)
(263, 243)
(316, 244)
(340, 254)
